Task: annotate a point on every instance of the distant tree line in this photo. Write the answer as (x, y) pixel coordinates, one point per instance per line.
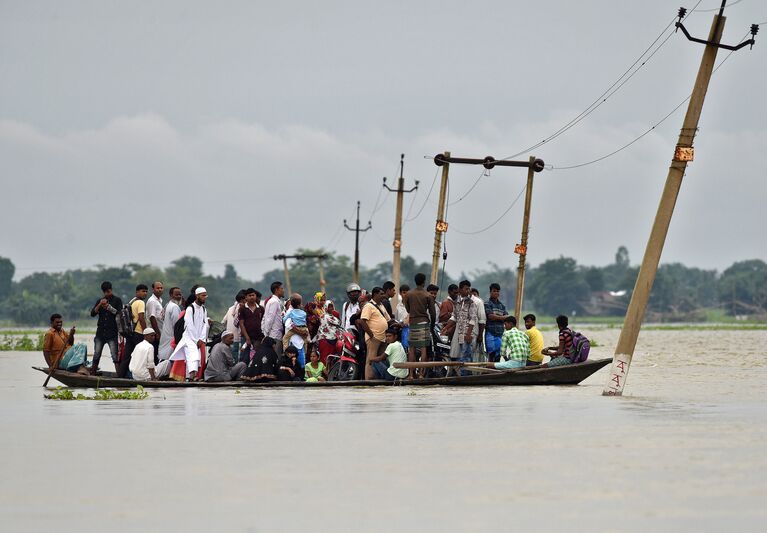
(556, 286)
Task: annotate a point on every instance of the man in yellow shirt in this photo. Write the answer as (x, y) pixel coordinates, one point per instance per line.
(536, 341)
(138, 316)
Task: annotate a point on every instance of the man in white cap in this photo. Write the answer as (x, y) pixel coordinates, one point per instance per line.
(351, 306)
(191, 347)
(142, 359)
(221, 365)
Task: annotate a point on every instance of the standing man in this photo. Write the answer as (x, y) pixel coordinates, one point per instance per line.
(389, 291)
(447, 306)
(465, 319)
(374, 321)
(434, 291)
(536, 341)
(351, 306)
(251, 315)
(495, 312)
(138, 318)
(271, 324)
(154, 313)
(106, 328)
(481, 322)
(231, 323)
(191, 348)
(170, 317)
(420, 307)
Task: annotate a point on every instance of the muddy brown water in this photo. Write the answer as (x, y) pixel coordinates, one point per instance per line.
(681, 451)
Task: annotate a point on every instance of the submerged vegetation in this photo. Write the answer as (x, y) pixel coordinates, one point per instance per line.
(63, 393)
(12, 343)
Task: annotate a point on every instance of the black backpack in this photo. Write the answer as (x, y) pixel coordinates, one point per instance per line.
(125, 323)
(180, 326)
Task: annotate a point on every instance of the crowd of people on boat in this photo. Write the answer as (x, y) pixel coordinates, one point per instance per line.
(288, 339)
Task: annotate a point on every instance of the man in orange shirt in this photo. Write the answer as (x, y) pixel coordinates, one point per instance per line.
(59, 347)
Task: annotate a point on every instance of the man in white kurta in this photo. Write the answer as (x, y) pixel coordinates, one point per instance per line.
(195, 333)
(172, 312)
(142, 359)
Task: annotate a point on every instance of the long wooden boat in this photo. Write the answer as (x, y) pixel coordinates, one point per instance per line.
(560, 375)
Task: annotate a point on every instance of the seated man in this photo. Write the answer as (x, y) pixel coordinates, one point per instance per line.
(394, 353)
(515, 347)
(288, 367)
(59, 348)
(560, 355)
(263, 365)
(221, 365)
(142, 359)
(536, 341)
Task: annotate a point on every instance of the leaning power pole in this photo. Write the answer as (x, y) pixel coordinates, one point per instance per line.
(683, 153)
(397, 243)
(357, 231)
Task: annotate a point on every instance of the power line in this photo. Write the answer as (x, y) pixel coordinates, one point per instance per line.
(476, 182)
(612, 89)
(426, 200)
(718, 8)
(496, 220)
(661, 121)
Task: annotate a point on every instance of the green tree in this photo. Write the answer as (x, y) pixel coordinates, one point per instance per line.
(743, 287)
(7, 270)
(558, 287)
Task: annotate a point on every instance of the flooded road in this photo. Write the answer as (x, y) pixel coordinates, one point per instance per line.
(680, 451)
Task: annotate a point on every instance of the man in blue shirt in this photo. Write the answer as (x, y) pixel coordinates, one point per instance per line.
(496, 314)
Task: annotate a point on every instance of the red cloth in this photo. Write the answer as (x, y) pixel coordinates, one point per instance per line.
(178, 368)
(326, 348)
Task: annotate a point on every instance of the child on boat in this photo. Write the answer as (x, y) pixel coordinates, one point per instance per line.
(314, 369)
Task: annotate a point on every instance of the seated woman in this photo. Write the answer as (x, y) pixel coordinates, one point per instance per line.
(314, 369)
(288, 368)
(263, 365)
(59, 348)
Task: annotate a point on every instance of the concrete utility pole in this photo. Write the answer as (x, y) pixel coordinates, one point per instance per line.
(521, 248)
(441, 226)
(397, 243)
(533, 165)
(683, 153)
(357, 231)
(300, 257)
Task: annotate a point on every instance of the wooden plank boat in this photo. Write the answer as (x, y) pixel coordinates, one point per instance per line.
(560, 375)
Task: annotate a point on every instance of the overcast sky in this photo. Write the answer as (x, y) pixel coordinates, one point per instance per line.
(236, 130)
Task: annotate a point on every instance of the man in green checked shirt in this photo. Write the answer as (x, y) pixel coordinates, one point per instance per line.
(515, 347)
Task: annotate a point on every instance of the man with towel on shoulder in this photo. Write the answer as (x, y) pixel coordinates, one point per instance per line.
(191, 348)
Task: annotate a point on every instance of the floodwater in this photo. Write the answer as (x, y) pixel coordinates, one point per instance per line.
(683, 450)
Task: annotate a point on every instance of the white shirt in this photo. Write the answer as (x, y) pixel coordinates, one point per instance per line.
(348, 310)
(295, 340)
(228, 321)
(142, 359)
(170, 316)
(481, 316)
(195, 329)
(154, 308)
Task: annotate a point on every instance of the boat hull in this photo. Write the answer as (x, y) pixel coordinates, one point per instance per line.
(560, 375)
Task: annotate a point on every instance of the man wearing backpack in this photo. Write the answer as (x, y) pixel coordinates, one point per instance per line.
(107, 309)
(137, 311)
(562, 354)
